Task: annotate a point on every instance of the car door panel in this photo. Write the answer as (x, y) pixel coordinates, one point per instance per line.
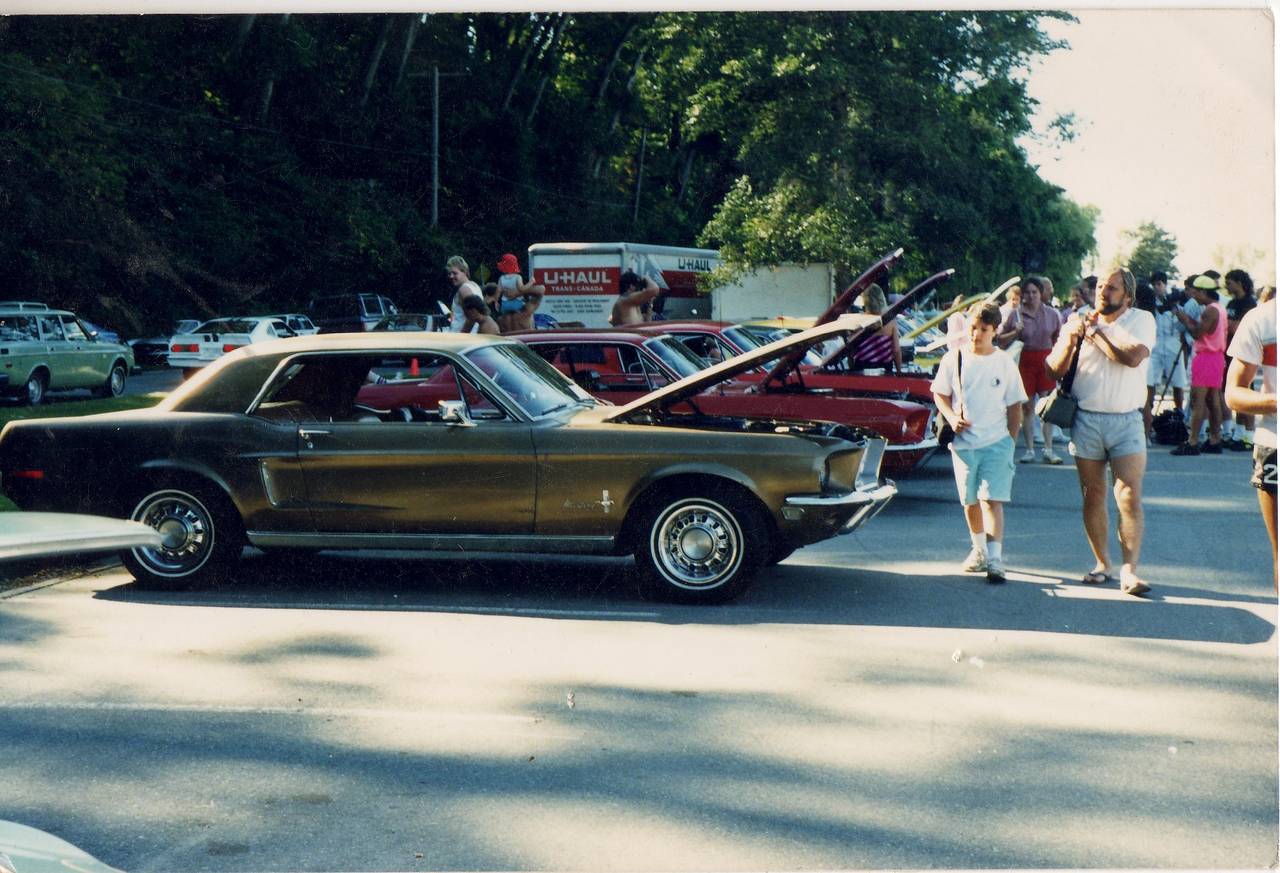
(419, 477)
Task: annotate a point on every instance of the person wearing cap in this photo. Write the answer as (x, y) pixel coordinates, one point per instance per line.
(460, 277)
(1115, 341)
(1254, 348)
(517, 299)
(1208, 367)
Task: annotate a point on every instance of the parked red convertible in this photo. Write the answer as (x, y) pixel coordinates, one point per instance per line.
(621, 365)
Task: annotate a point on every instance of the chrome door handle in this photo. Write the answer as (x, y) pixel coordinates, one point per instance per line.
(307, 433)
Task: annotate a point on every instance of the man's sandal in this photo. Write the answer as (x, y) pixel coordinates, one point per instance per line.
(1097, 577)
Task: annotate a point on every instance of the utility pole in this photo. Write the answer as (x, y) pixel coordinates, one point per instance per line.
(435, 137)
(435, 145)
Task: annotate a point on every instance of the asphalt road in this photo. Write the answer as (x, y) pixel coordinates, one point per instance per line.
(863, 705)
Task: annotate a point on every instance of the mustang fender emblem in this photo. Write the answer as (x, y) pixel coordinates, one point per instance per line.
(605, 502)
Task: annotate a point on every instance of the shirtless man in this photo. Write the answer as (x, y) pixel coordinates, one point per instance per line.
(476, 318)
(522, 318)
(460, 276)
(633, 292)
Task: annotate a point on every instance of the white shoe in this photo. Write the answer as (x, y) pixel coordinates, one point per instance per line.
(1051, 458)
(975, 563)
(995, 570)
(1028, 456)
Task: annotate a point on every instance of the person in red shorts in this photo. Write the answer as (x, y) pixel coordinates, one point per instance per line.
(1208, 367)
(1037, 326)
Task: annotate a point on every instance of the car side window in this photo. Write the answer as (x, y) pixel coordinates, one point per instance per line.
(72, 328)
(51, 328)
(18, 329)
(410, 388)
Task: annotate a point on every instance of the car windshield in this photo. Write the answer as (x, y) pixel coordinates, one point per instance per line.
(220, 326)
(675, 355)
(743, 339)
(536, 386)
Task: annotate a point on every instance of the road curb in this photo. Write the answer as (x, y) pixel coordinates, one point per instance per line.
(53, 573)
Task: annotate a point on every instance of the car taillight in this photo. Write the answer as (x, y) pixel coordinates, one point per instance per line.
(26, 474)
(179, 347)
(230, 347)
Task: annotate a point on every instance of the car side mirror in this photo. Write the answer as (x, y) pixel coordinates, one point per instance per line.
(93, 335)
(454, 413)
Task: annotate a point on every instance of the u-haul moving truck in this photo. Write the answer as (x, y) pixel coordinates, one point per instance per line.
(582, 278)
(581, 281)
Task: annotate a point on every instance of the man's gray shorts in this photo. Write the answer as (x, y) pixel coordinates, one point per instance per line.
(1102, 436)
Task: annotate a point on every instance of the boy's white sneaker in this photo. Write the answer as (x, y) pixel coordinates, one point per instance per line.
(975, 563)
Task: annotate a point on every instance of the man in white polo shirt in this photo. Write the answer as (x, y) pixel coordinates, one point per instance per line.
(1254, 347)
(1110, 390)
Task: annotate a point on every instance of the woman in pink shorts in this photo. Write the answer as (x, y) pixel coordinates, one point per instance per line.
(1207, 367)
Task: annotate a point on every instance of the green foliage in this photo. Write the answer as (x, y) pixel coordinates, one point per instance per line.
(159, 167)
(1154, 248)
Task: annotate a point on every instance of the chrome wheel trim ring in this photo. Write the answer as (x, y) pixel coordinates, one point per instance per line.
(117, 381)
(188, 531)
(35, 390)
(696, 544)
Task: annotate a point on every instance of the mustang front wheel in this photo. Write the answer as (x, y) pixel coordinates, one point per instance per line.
(701, 550)
(202, 538)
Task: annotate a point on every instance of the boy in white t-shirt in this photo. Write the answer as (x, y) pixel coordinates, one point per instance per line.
(984, 406)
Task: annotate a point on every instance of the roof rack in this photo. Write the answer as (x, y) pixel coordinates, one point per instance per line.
(23, 304)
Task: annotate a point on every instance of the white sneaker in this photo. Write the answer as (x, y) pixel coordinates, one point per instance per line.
(1052, 458)
(1028, 456)
(975, 563)
(995, 570)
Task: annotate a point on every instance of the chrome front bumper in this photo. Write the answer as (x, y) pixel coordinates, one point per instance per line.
(865, 504)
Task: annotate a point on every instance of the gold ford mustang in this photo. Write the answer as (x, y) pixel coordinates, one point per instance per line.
(448, 441)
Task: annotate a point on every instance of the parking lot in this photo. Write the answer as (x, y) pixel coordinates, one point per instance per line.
(863, 705)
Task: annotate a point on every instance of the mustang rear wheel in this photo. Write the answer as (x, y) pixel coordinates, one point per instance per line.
(701, 549)
(202, 533)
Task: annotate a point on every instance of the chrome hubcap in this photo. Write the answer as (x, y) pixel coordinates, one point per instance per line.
(117, 381)
(698, 544)
(186, 530)
(35, 391)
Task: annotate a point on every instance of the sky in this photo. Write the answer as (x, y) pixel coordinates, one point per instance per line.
(1175, 120)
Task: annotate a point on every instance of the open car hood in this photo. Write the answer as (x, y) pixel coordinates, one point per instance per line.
(691, 386)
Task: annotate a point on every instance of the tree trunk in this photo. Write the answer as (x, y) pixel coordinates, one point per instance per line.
(607, 73)
(246, 25)
(631, 86)
(410, 35)
(264, 100)
(374, 62)
(534, 38)
(269, 84)
(551, 62)
(690, 154)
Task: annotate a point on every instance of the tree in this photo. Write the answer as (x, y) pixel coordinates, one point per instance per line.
(1154, 248)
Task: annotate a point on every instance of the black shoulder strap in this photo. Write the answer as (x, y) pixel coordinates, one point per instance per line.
(1070, 379)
